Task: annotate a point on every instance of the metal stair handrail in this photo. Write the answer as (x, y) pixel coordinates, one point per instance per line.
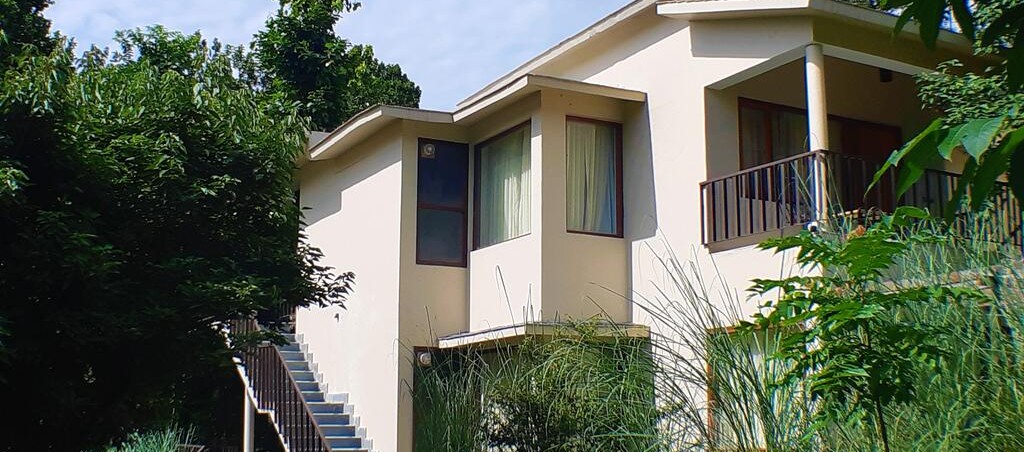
(276, 390)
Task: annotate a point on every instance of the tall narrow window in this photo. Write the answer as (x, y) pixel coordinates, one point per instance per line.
(503, 187)
(593, 177)
(442, 197)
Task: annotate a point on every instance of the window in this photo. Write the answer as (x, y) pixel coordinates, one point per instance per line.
(770, 132)
(593, 187)
(503, 187)
(441, 200)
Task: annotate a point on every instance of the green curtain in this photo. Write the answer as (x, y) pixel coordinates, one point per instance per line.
(505, 187)
(591, 186)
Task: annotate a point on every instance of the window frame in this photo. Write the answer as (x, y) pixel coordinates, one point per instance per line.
(463, 209)
(476, 152)
(619, 204)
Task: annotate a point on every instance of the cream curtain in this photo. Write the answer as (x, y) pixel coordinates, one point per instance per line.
(590, 178)
(505, 187)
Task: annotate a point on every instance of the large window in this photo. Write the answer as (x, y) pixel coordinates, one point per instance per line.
(593, 152)
(770, 132)
(503, 187)
(442, 197)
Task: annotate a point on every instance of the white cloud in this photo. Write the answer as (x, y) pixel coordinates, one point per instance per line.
(449, 47)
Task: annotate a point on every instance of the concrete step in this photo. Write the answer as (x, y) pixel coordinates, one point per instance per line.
(313, 396)
(338, 430)
(303, 375)
(307, 385)
(293, 356)
(289, 337)
(345, 441)
(289, 348)
(333, 419)
(297, 365)
(325, 407)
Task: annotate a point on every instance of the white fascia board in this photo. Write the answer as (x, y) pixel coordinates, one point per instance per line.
(532, 83)
(726, 8)
(515, 332)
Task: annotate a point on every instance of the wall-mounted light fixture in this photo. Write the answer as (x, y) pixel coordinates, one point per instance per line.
(884, 75)
(424, 359)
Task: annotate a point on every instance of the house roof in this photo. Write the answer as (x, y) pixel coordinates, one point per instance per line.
(369, 121)
(525, 79)
(710, 10)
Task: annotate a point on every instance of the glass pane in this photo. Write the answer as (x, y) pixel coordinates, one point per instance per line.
(754, 137)
(789, 134)
(440, 236)
(443, 174)
(591, 180)
(505, 187)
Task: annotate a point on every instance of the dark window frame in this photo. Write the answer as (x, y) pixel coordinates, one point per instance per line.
(463, 209)
(477, 148)
(619, 204)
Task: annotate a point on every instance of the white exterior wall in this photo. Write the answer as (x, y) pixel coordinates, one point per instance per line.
(583, 275)
(354, 218)
(505, 278)
(673, 61)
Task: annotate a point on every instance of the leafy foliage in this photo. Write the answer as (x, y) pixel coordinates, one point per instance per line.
(845, 329)
(573, 391)
(299, 57)
(151, 201)
(167, 440)
(986, 126)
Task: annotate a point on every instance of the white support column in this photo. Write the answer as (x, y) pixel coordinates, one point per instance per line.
(248, 423)
(817, 125)
(817, 111)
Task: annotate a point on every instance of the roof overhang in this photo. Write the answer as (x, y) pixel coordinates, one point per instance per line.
(739, 9)
(368, 122)
(365, 124)
(514, 333)
(531, 83)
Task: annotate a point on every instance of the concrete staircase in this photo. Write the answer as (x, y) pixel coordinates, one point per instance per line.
(333, 416)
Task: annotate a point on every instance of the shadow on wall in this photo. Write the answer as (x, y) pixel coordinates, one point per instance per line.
(324, 195)
(640, 199)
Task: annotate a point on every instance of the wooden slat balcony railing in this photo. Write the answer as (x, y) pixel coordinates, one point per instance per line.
(797, 190)
(276, 390)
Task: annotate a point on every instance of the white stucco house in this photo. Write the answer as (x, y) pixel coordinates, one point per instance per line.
(681, 124)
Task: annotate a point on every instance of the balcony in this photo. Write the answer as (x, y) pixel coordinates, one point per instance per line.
(785, 195)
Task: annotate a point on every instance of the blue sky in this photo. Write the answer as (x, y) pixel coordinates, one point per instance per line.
(449, 47)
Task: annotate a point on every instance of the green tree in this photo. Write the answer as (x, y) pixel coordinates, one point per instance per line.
(152, 201)
(845, 330)
(984, 119)
(300, 57)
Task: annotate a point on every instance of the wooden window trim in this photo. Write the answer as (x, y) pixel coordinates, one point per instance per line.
(619, 204)
(463, 209)
(477, 148)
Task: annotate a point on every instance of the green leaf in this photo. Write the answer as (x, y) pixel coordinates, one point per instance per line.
(977, 135)
(917, 151)
(929, 15)
(1016, 176)
(995, 164)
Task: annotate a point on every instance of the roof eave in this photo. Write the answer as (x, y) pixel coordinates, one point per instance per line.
(738, 9)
